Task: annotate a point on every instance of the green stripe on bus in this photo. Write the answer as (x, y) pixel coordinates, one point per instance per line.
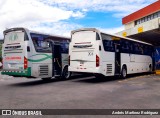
(42, 59)
(26, 72)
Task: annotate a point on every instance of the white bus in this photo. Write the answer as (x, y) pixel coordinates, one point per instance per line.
(28, 53)
(102, 54)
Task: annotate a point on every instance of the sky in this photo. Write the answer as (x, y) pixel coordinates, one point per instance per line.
(59, 17)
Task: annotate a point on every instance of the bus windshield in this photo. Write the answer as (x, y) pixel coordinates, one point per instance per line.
(14, 37)
(83, 37)
(40, 43)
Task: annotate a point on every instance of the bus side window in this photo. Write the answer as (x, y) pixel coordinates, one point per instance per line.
(145, 49)
(97, 36)
(137, 49)
(149, 50)
(125, 46)
(141, 49)
(35, 41)
(108, 45)
(131, 48)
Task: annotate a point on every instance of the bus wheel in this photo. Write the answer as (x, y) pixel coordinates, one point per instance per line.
(150, 68)
(124, 72)
(66, 74)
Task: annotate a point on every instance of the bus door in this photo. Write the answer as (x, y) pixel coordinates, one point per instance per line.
(57, 59)
(117, 59)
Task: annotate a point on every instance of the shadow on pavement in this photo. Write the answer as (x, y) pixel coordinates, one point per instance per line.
(41, 82)
(109, 78)
(76, 78)
(97, 80)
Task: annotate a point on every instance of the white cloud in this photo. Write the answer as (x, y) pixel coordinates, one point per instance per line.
(30, 13)
(120, 7)
(50, 15)
(112, 30)
(60, 28)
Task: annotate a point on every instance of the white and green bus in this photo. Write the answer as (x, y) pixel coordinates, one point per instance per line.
(28, 53)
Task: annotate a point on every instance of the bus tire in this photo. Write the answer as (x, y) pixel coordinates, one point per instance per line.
(124, 72)
(66, 74)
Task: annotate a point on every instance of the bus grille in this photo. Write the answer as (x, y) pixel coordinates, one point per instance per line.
(109, 68)
(43, 70)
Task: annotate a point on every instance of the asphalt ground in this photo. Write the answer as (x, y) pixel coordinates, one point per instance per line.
(81, 92)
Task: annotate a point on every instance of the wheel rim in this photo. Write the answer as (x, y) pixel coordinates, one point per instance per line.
(66, 73)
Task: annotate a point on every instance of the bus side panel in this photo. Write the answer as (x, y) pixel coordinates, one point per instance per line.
(41, 65)
(42, 70)
(139, 64)
(108, 63)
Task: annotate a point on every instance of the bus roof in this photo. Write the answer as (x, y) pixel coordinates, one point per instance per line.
(22, 28)
(96, 30)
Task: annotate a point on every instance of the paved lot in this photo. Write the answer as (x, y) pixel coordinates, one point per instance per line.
(81, 92)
